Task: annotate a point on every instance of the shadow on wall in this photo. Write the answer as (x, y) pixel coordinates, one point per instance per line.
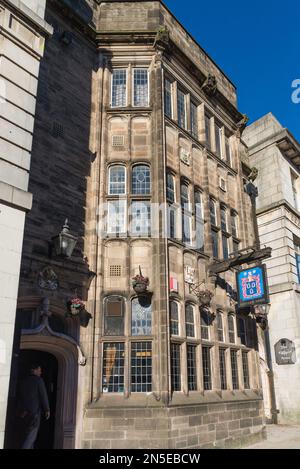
(82, 8)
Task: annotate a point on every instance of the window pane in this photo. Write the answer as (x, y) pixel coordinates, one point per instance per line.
(218, 140)
(141, 180)
(220, 327)
(186, 229)
(215, 243)
(174, 318)
(222, 362)
(246, 370)
(172, 216)
(175, 367)
(242, 331)
(231, 330)
(141, 316)
(181, 109)
(191, 368)
(119, 88)
(207, 132)
(117, 180)
(194, 120)
(140, 87)
(184, 195)
(206, 366)
(116, 217)
(234, 369)
(189, 321)
(113, 367)
(114, 316)
(199, 234)
(223, 219)
(141, 367)
(168, 98)
(212, 211)
(170, 189)
(141, 218)
(225, 246)
(205, 322)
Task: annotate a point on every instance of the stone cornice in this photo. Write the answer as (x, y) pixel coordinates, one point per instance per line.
(22, 10)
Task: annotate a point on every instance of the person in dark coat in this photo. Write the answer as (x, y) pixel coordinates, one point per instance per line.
(33, 400)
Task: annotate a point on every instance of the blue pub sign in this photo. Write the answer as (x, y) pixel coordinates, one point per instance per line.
(252, 286)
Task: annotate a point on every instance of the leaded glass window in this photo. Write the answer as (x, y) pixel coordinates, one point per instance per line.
(170, 189)
(194, 120)
(245, 370)
(212, 211)
(116, 217)
(141, 319)
(206, 368)
(141, 366)
(119, 88)
(140, 218)
(168, 98)
(117, 180)
(222, 363)
(205, 323)
(113, 367)
(231, 329)
(225, 246)
(189, 321)
(140, 87)
(234, 369)
(114, 309)
(181, 109)
(174, 318)
(175, 367)
(191, 367)
(141, 180)
(242, 331)
(215, 243)
(220, 327)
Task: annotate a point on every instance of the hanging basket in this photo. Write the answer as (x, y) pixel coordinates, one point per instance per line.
(205, 297)
(75, 306)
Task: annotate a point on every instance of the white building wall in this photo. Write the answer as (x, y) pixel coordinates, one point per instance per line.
(22, 37)
(279, 223)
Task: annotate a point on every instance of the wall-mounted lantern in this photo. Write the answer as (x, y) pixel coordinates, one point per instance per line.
(64, 243)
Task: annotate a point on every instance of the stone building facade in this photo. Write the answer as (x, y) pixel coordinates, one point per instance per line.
(22, 36)
(276, 154)
(138, 143)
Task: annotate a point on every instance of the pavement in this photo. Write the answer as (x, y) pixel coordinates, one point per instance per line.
(280, 437)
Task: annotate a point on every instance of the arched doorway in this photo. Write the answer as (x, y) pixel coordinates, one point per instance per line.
(49, 365)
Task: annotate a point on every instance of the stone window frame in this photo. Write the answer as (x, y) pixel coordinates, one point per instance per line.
(116, 69)
(133, 70)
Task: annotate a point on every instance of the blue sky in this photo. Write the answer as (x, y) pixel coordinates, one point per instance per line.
(257, 44)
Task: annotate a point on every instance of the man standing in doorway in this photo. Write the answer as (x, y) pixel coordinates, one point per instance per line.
(33, 401)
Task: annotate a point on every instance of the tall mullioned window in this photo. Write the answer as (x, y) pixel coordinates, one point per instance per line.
(141, 180)
(220, 327)
(234, 369)
(170, 188)
(140, 87)
(191, 367)
(242, 331)
(119, 88)
(113, 367)
(246, 378)
(141, 366)
(228, 150)
(215, 243)
(206, 369)
(212, 211)
(116, 217)
(234, 224)
(231, 329)
(194, 120)
(175, 367)
(199, 221)
(168, 98)
(207, 131)
(218, 136)
(181, 108)
(205, 323)
(222, 364)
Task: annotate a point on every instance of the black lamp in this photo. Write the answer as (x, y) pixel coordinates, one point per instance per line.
(64, 243)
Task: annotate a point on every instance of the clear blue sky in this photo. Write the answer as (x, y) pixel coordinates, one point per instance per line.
(257, 44)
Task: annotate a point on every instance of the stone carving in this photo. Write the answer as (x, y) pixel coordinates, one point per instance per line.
(241, 125)
(210, 85)
(162, 38)
(47, 279)
(185, 156)
(253, 175)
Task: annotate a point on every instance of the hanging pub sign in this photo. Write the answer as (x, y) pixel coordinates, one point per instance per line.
(252, 286)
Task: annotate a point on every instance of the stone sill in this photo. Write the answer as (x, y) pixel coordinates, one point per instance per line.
(15, 197)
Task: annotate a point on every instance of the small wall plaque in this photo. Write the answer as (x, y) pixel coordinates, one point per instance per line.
(285, 352)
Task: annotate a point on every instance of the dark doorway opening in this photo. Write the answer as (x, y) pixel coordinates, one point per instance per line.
(49, 364)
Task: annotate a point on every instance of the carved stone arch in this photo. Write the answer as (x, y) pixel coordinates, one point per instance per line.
(67, 356)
